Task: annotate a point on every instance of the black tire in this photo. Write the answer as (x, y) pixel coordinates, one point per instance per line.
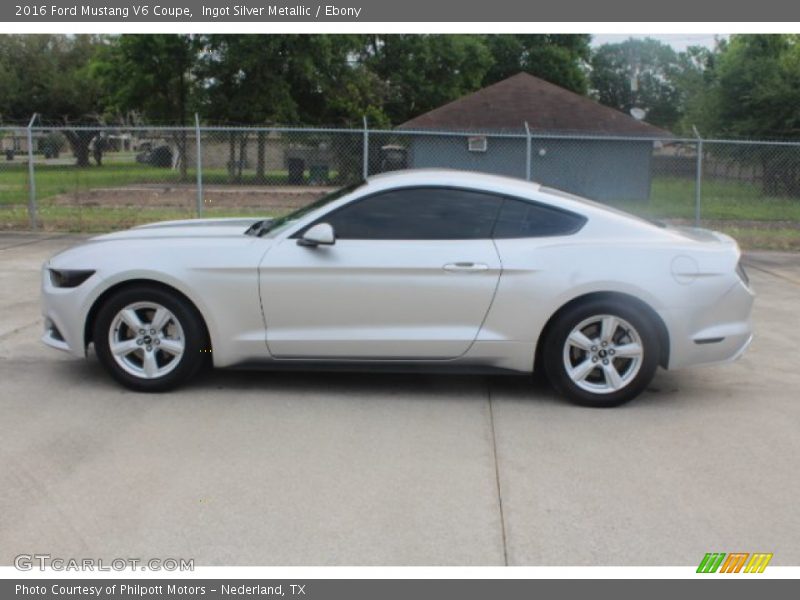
(638, 371)
(194, 338)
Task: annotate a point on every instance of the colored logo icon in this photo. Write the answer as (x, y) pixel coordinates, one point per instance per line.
(735, 562)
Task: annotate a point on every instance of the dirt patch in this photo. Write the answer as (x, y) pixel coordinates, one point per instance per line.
(269, 199)
(735, 223)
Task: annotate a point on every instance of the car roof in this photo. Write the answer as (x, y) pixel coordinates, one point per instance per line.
(452, 177)
(498, 184)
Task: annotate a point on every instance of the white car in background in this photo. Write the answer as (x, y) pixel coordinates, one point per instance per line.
(435, 269)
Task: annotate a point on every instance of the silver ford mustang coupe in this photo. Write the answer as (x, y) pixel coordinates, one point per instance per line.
(433, 269)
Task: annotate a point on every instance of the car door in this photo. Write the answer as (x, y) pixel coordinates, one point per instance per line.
(411, 275)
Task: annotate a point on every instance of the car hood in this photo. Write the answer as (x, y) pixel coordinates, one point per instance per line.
(189, 228)
(181, 239)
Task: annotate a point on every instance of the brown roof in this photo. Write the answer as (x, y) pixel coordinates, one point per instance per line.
(507, 104)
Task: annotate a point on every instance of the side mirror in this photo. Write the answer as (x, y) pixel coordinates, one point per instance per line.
(320, 234)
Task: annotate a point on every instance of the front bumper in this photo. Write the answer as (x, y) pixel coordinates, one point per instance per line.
(64, 311)
(52, 335)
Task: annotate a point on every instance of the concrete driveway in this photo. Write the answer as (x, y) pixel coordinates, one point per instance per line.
(251, 468)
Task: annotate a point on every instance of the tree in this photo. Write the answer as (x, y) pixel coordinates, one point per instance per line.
(313, 79)
(557, 58)
(422, 72)
(152, 74)
(695, 77)
(641, 73)
(52, 75)
(755, 93)
(241, 85)
(756, 88)
(256, 79)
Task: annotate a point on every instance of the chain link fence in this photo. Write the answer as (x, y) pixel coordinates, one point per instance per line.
(104, 178)
(15, 178)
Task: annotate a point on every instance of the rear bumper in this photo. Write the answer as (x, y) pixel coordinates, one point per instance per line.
(743, 349)
(718, 333)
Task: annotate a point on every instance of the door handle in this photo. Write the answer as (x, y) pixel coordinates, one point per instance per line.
(465, 267)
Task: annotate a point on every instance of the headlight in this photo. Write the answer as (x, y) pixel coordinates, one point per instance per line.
(68, 278)
(741, 273)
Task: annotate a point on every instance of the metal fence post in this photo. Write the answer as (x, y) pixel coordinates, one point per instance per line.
(365, 170)
(31, 176)
(527, 152)
(198, 165)
(698, 186)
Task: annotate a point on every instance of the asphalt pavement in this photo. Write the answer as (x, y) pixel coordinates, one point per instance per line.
(265, 468)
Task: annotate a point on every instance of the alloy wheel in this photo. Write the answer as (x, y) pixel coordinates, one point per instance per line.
(146, 340)
(603, 354)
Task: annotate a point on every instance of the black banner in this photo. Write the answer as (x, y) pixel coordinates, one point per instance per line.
(387, 589)
(177, 11)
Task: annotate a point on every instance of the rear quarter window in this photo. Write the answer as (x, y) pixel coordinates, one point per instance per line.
(522, 219)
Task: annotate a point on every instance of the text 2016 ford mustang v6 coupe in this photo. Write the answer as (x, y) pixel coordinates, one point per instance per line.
(431, 268)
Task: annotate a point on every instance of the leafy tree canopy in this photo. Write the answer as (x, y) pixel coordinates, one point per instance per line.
(754, 89)
(558, 58)
(647, 74)
(50, 75)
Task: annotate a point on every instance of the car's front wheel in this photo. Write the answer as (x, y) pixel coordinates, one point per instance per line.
(601, 353)
(149, 339)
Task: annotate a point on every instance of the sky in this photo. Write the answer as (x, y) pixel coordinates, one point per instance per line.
(678, 41)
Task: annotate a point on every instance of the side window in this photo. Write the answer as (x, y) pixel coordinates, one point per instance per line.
(418, 214)
(520, 219)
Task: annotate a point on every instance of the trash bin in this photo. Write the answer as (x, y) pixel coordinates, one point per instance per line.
(318, 174)
(297, 167)
(9, 154)
(393, 158)
(161, 156)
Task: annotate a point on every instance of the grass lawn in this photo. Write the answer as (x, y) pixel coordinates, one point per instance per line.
(100, 219)
(752, 238)
(55, 179)
(738, 208)
(673, 198)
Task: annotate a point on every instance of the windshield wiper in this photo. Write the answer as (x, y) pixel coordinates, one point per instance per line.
(259, 228)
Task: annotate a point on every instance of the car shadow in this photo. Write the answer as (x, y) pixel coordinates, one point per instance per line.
(667, 388)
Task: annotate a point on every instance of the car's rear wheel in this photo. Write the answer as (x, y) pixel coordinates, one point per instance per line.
(601, 353)
(149, 339)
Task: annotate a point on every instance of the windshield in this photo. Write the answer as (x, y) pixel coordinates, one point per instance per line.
(266, 226)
